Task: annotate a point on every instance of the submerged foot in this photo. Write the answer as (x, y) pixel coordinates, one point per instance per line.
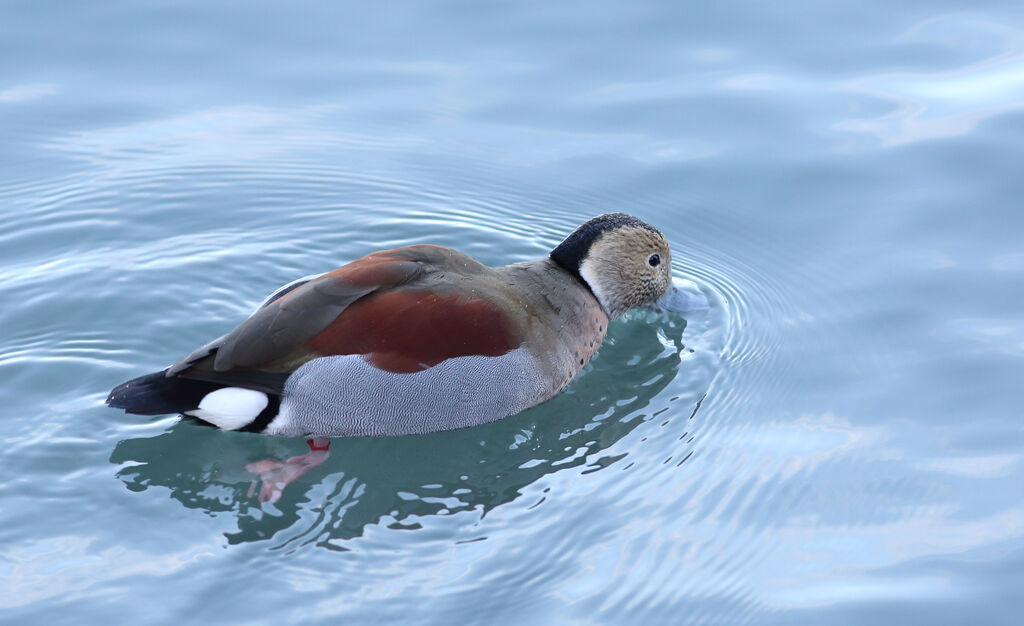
(276, 475)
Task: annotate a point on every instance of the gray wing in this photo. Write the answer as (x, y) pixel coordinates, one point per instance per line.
(271, 339)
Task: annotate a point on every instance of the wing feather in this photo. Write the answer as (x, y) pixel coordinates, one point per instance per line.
(272, 338)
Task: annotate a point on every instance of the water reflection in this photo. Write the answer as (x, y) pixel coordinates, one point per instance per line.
(951, 102)
(396, 481)
(26, 92)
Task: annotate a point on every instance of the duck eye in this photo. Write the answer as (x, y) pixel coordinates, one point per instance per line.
(654, 260)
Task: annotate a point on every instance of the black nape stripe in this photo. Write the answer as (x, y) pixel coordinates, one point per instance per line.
(571, 252)
(266, 416)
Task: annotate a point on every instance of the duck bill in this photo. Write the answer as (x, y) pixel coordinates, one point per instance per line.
(682, 297)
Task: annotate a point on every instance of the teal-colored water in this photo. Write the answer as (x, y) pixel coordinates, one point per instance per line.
(838, 439)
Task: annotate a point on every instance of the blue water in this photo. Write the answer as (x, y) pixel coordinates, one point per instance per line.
(837, 439)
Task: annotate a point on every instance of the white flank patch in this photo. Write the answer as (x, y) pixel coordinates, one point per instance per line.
(231, 408)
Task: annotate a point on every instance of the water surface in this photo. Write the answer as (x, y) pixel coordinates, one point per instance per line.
(836, 439)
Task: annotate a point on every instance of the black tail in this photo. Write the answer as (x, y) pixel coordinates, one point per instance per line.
(156, 394)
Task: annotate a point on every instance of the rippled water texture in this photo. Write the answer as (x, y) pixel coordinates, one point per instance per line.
(835, 439)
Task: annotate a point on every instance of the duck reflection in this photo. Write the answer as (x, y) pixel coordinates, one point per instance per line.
(394, 481)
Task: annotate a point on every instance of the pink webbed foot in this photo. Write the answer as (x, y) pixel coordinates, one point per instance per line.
(276, 475)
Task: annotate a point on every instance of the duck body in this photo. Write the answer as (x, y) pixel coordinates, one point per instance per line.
(412, 340)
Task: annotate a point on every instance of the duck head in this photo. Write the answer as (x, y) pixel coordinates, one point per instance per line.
(624, 261)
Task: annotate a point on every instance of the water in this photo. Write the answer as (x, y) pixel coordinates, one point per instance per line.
(837, 439)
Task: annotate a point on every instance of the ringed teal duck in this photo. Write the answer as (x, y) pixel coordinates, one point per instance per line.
(414, 339)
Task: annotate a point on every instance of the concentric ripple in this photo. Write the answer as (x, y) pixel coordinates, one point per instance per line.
(664, 389)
